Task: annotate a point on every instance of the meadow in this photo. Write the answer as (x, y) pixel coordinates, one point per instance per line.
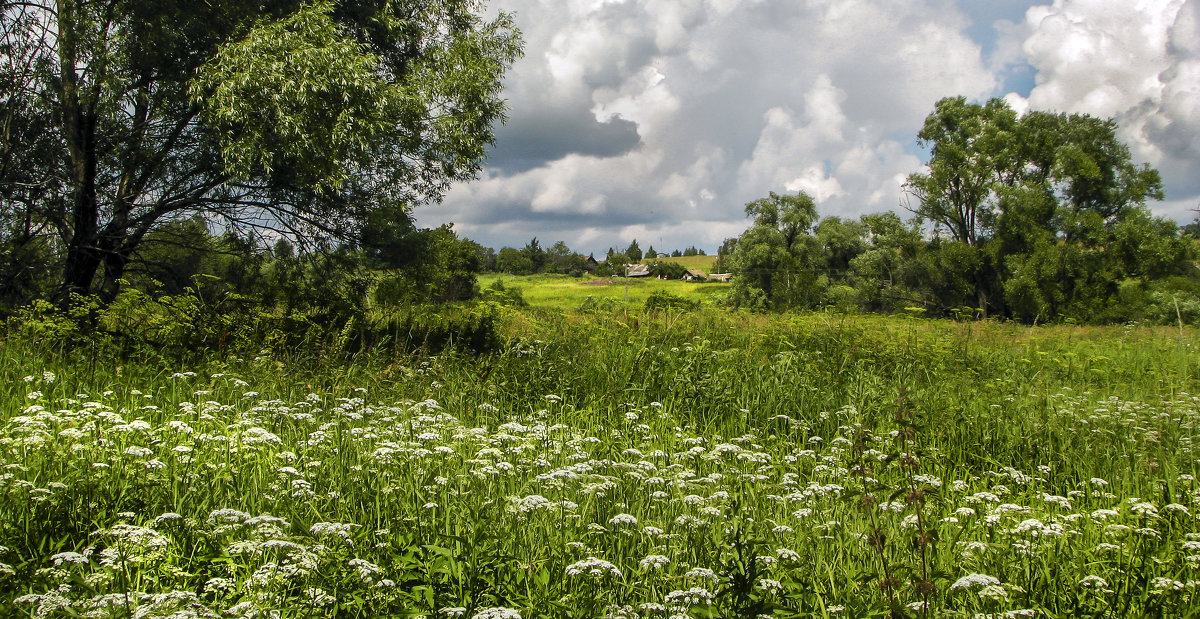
(609, 464)
(563, 292)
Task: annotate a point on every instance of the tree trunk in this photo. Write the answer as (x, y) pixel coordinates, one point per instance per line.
(114, 270)
(79, 132)
(83, 252)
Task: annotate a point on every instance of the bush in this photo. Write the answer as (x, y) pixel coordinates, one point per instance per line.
(667, 270)
(497, 292)
(659, 301)
(601, 305)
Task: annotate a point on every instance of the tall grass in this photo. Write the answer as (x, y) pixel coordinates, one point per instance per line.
(582, 465)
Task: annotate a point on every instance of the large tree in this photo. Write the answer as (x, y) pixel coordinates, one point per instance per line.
(120, 115)
(986, 162)
(777, 261)
(1038, 203)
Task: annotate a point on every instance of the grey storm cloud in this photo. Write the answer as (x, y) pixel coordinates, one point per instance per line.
(659, 119)
(530, 141)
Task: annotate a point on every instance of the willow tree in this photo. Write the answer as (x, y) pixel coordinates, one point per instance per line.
(300, 117)
(1038, 203)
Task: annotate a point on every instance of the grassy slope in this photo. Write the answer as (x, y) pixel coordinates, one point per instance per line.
(567, 293)
(704, 263)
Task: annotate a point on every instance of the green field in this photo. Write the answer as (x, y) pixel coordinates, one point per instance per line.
(704, 263)
(635, 464)
(570, 293)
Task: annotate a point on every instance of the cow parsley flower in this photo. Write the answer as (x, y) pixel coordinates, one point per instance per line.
(653, 562)
(497, 613)
(687, 598)
(596, 568)
(622, 519)
(972, 581)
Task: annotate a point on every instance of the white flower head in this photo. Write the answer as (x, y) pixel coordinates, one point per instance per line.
(974, 581)
(594, 567)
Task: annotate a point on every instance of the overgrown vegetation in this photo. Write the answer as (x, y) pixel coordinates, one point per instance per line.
(1039, 218)
(482, 460)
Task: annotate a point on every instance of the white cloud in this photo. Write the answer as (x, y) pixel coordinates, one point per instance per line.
(710, 104)
(1137, 61)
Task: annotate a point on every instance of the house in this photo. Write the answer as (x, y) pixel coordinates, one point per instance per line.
(720, 277)
(637, 270)
(694, 275)
(590, 264)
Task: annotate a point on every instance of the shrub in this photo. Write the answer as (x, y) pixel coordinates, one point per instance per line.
(659, 301)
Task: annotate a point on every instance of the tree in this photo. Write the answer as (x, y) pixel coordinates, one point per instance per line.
(776, 261)
(634, 252)
(841, 242)
(724, 252)
(445, 271)
(535, 256)
(514, 261)
(1034, 198)
(558, 257)
(650, 253)
(667, 270)
(970, 152)
(297, 117)
(890, 275)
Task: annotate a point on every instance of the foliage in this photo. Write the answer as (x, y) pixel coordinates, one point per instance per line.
(600, 305)
(1046, 198)
(612, 465)
(299, 117)
(775, 262)
(497, 292)
(661, 301)
(667, 269)
(633, 253)
(443, 270)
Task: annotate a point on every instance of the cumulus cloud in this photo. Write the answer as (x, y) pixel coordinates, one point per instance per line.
(660, 119)
(1136, 61)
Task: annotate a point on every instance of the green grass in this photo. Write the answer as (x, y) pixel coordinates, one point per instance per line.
(709, 463)
(704, 263)
(563, 292)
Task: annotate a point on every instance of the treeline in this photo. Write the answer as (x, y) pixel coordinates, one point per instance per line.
(559, 258)
(1035, 218)
(390, 262)
(1038, 218)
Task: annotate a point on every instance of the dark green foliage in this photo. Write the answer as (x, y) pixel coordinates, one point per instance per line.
(1052, 202)
(633, 252)
(534, 256)
(777, 262)
(667, 269)
(443, 269)
(122, 118)
(513, 261)
(497, 292)
(659, 301)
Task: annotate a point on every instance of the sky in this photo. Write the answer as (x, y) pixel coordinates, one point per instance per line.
(658, 120)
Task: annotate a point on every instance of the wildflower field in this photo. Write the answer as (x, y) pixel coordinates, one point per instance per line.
(706, 464)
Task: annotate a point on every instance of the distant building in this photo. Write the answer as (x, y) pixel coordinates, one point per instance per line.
(694, 275)
(637, 270)
(719, 277)
(590, 264)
